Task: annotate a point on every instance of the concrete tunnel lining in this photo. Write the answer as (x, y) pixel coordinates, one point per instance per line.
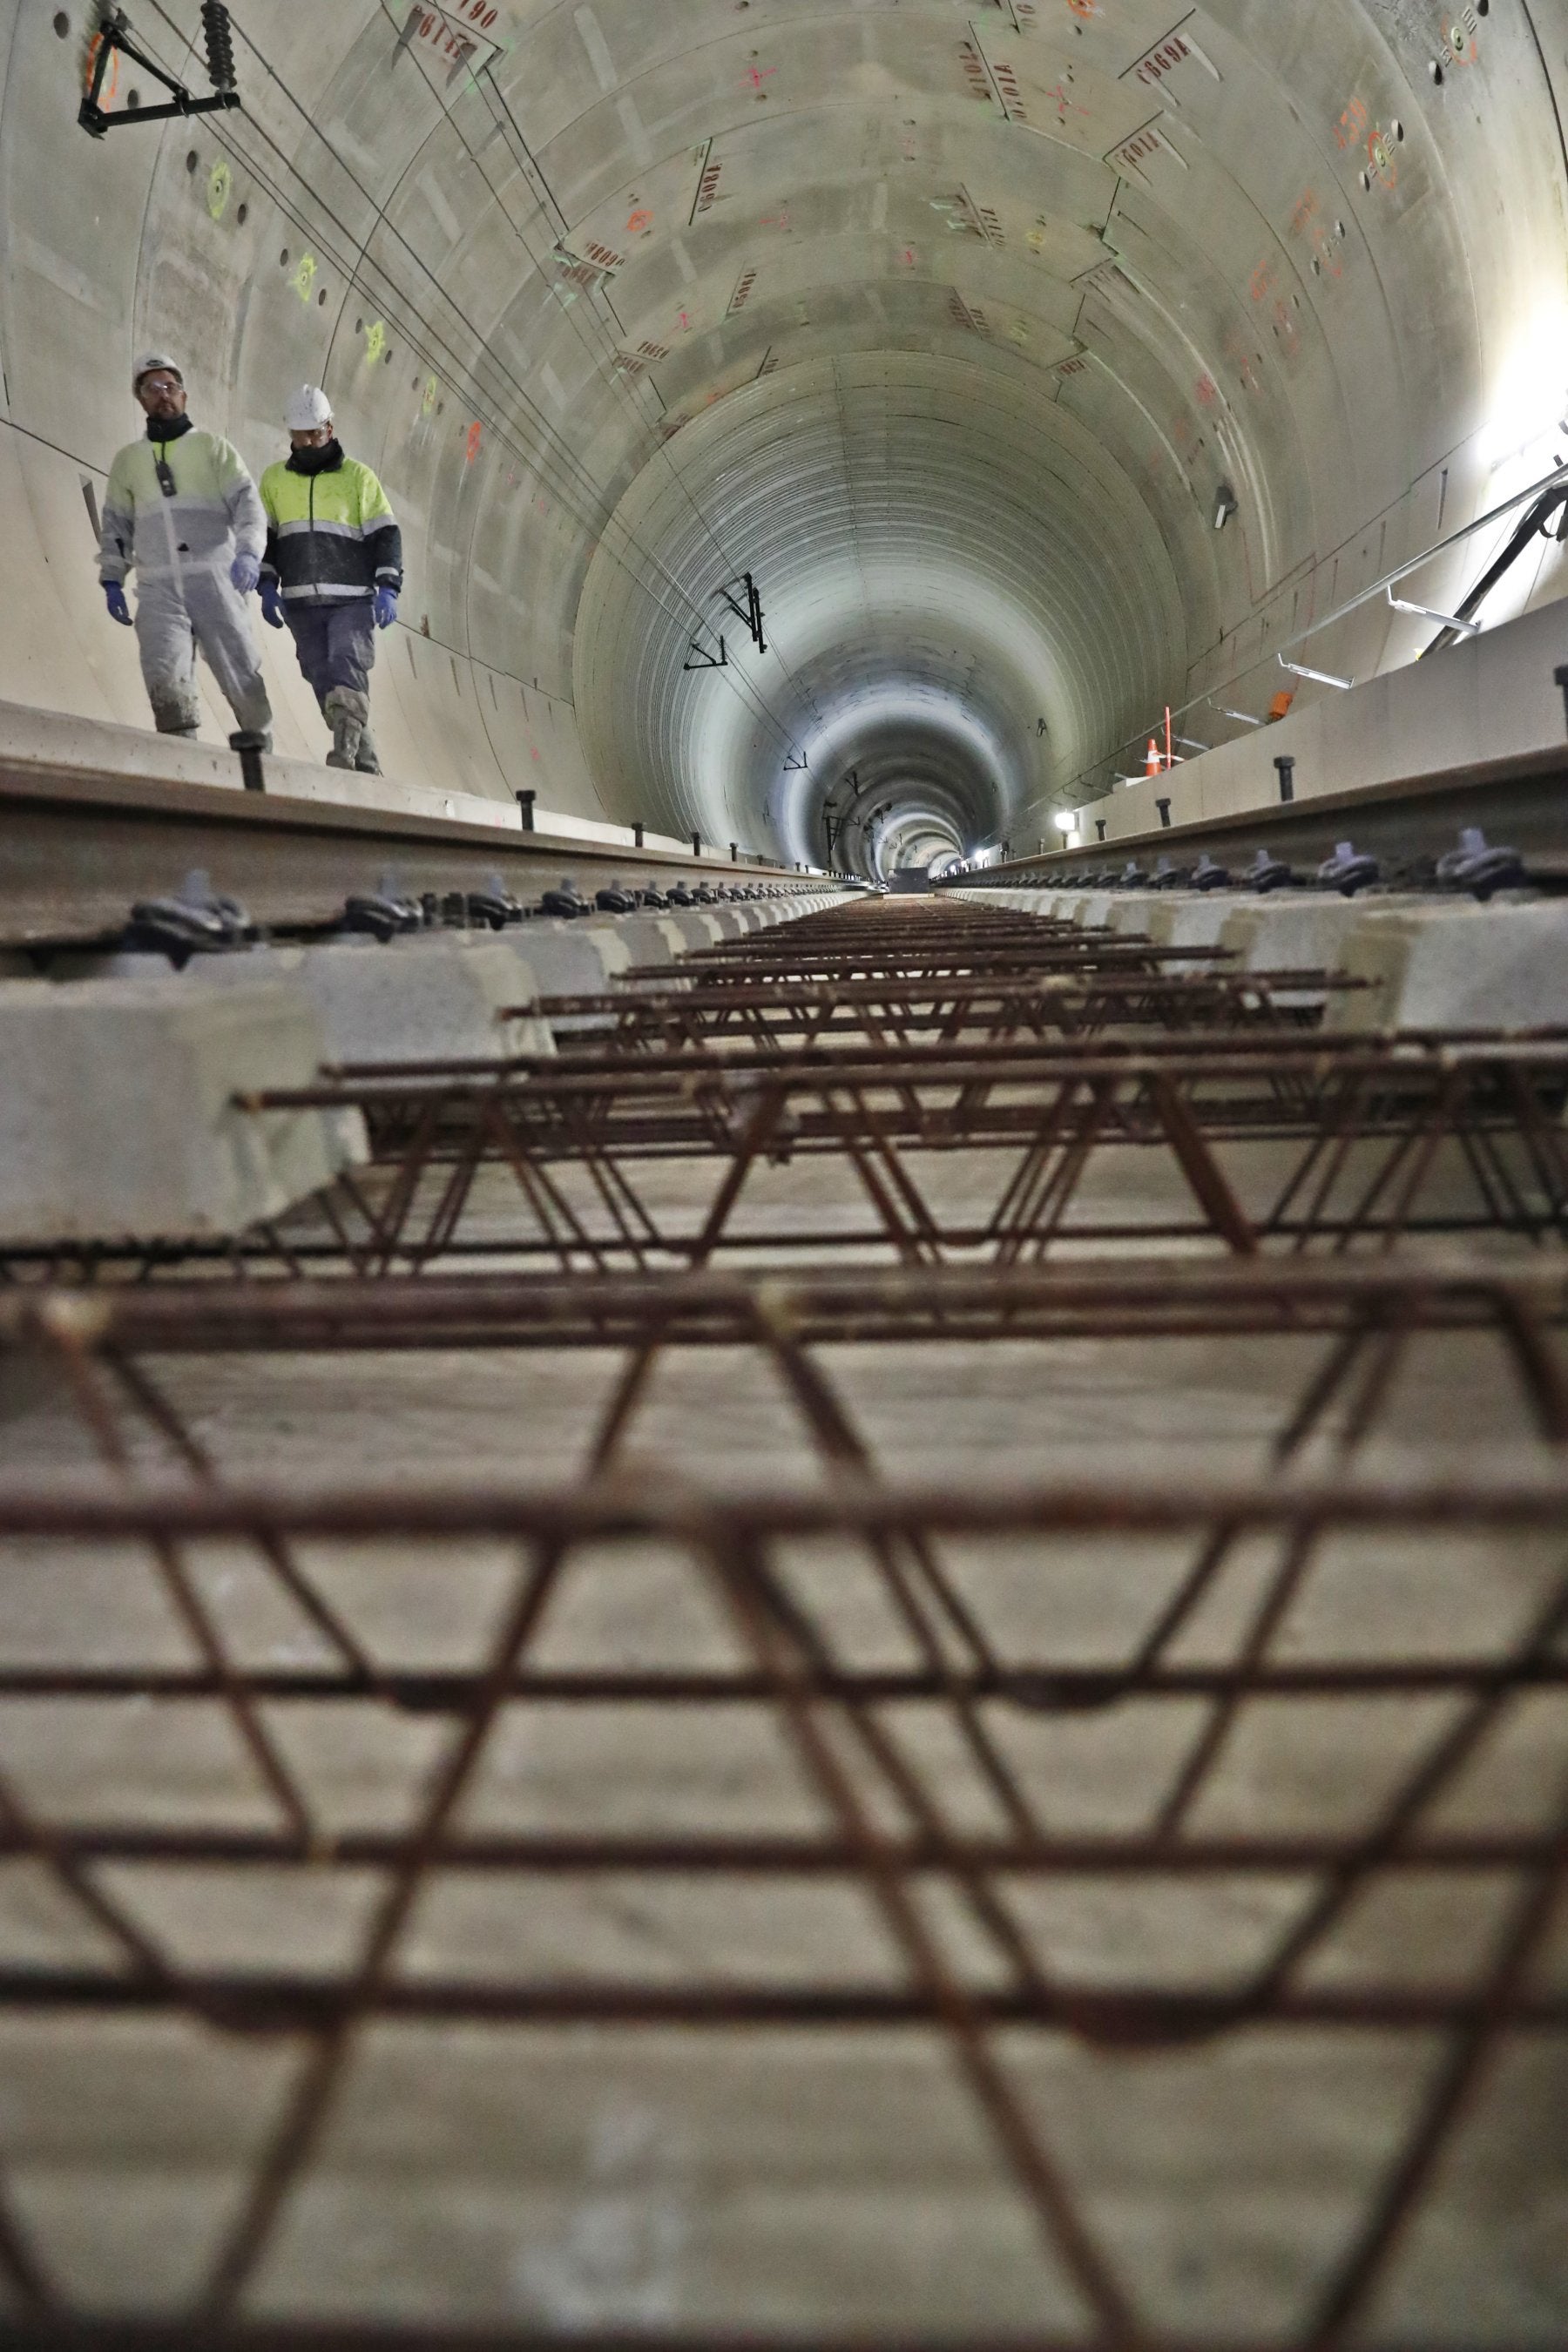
(1111, 265)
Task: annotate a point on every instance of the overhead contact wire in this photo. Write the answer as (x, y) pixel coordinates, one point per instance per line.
(600, 519)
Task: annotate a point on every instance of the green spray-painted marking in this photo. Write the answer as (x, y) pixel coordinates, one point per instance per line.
(304, 278)
(220, 180)
(374, 342)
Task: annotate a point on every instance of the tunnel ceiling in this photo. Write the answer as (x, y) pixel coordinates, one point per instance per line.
(947, 323)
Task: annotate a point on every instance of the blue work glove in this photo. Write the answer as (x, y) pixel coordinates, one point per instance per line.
(385, 608)
(244, 571)
(271, 604)
(114, 597)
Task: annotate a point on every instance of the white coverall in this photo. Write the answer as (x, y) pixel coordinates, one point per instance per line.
(181, 549)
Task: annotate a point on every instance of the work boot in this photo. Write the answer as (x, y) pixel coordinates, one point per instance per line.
(344, 711)
(346, 736)
(365, 759)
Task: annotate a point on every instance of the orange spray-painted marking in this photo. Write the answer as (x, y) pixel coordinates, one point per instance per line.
(111, 90)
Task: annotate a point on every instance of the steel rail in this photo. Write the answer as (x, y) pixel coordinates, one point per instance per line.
(82, 844)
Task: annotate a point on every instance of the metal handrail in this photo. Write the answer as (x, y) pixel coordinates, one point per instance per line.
(1455, 538)
(1389, 580)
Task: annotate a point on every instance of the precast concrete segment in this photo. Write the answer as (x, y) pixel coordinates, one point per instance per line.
(156, 1063)
(1496, 967)
(1291, 928)
(118, 1111)
(451, 994)
(1285, 930)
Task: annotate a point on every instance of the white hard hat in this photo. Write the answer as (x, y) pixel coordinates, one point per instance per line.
(307, 408)
(147, 362)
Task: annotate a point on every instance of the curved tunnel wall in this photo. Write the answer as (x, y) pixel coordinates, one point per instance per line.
(956, 577)
(947, 323)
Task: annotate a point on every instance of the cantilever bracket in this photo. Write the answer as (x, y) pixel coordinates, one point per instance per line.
(794, 766)
(1445, 620)
(750, 613)
(700, 659)
(114, 35)
(1317, 677)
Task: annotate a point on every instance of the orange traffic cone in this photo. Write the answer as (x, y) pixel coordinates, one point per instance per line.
(1153, 765)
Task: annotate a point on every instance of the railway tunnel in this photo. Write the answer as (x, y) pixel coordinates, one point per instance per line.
(737, 1605)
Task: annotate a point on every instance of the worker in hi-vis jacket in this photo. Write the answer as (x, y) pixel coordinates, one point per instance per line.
(181, 511)
(334, 566)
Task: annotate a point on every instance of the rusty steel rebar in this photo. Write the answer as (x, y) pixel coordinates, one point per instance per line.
(771, 1015)
(1367, 1124)
(1362, 1123)
(740, 1547)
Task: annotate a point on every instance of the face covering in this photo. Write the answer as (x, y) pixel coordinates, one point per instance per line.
(167, 428)
(317, 461)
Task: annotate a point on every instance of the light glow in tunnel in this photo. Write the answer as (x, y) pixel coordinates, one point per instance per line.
(945, 614)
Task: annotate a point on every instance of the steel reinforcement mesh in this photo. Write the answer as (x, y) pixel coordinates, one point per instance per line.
(1088, 1900)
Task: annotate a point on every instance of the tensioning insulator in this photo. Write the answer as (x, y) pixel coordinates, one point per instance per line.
(220, 45)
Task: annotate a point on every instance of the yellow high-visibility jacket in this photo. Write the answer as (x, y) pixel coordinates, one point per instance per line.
(331, 535)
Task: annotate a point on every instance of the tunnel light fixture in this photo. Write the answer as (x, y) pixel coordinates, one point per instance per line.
(1244, 717)
(1444, 620)
(1317, 677)
(1226, 504)
(1065, 822)
(1187, 744)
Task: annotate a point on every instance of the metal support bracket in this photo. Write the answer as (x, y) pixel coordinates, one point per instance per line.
(750, 613)
(114, 38)
(1444, 620)
(1317, 677)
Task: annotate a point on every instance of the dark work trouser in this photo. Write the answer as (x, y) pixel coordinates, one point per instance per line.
(336, 645)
